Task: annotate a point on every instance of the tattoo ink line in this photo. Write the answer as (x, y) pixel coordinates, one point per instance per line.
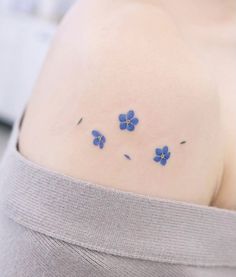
(127, 157)
(183, 142)
(80, 121)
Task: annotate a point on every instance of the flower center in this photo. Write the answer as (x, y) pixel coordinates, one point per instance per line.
(99, 137)
(162, 156)
(128, 121)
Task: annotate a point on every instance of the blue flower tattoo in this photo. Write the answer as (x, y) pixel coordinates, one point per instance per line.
(162, 155)
(99, 139)
(128, 121)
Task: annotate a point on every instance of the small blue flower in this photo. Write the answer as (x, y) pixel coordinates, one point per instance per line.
(128, 121)
(99, 139)
(162, 155)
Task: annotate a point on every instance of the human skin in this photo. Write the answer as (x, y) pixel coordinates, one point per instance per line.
(112, 56)
(209, 27)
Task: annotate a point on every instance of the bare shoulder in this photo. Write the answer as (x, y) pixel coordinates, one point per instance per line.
(120, 92)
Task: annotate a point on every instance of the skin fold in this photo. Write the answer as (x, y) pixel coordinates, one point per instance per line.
(110, 57)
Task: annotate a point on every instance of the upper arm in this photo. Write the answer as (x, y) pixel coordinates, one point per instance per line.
(131, 58)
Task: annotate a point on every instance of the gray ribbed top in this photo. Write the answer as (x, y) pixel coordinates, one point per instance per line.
(115, 222)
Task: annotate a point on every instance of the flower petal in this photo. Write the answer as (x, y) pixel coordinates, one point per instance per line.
(130, 114)
(123, 125)
(165, 149)
(103, 139)
(130, 127)
(122, 117)
(163, 161)
(167, 155)
(157, 159)
(96, 133)
(134, 121)
(96, 141)
(158, 151)
(101, 144)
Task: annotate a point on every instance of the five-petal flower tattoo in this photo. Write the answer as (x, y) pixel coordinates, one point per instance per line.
(99, 139)
(128, 121)
(162, 155)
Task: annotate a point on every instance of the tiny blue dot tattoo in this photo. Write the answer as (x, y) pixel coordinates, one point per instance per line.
(99, 139)
(127, 157)
(128, 121)
(162, 155)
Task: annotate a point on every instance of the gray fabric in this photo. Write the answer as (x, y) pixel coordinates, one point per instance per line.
(53, 225)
